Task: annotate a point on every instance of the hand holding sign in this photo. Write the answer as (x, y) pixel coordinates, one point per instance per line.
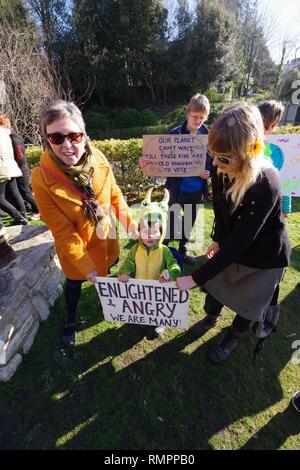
(174, 155)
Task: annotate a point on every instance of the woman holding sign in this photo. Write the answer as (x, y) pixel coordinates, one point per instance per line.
(251, 249)
(75, 189)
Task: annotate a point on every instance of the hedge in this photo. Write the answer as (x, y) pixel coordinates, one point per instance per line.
(124, 156)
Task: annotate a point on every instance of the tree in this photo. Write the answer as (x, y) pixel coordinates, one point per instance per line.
(53, 20)
(118, 40)
(213, 53)
(256, 30)
(27, 78)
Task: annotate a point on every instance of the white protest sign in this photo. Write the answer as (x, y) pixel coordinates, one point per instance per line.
(174, 154)
(284, 151)
(143, 302)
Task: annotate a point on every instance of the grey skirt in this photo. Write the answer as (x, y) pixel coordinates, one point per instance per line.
(246, 291)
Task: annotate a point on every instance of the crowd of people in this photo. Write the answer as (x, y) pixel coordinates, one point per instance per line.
(74, 191)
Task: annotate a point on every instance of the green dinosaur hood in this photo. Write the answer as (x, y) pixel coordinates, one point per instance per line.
(155, 213)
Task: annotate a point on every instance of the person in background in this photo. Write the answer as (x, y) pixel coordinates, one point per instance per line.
(250, 248)
(271, 112)
(187, 192)
(9, 171)
(75, 190)
(20, 158)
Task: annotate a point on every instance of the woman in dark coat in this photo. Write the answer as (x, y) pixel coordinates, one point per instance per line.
(250, 248)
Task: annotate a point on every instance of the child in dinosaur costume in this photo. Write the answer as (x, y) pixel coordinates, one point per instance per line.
(149, 258)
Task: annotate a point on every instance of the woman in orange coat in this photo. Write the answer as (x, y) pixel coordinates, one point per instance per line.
(75, 190)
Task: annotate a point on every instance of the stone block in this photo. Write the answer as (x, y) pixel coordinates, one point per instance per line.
(54, 263)
(56, 279)
(7, 371)
(59, 290)
(22, 313)
(41, 306)
(30, 338)
(38, 286)
(35, 275)
(18, 338)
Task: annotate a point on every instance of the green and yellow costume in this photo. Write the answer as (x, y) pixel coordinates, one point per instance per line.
(143, 262)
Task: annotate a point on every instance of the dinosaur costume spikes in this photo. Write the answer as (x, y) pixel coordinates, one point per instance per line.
(155, 212)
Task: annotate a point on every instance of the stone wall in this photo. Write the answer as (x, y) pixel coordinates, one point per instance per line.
(29, 285)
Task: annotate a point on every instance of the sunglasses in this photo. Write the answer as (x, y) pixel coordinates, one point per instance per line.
(225, 160)
(57, 138)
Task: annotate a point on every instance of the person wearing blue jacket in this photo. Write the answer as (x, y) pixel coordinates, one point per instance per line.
(187, 191)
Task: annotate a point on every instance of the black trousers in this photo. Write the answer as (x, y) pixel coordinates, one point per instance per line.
(189, 203)
(25, 191)
(72, 296)
(16, 205)
(239, 325)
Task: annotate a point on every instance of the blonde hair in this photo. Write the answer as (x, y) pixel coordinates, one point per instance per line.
(5, 122)
(239, 131)
(198, 103)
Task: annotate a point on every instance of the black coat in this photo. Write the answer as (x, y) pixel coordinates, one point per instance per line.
(19, 153)
(254, 234)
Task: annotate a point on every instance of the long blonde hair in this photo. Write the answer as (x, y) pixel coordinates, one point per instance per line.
(239, 131)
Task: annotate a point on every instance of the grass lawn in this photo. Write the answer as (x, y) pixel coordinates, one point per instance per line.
(124, 391)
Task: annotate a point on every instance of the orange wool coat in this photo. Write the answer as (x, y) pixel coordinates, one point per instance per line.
(78, 247)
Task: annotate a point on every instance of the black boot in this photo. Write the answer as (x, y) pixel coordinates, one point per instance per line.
(202, 326)
(69, 335)
(221, 352)
(20, 220)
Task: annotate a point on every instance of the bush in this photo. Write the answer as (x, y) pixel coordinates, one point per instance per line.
(124, 157)
(176, 116)
(147, 118)
(33, 155)
(134, 132)
(95, 122)
(287, 130)
(128, 118)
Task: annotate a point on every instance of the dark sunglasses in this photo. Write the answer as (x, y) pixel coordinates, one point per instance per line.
(225, 160)
(57, 138)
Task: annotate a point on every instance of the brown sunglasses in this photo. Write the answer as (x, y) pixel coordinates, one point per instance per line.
(57, 138)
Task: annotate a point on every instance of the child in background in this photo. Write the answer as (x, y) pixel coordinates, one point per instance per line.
(188, 191)
(271, 112)
(149, 258)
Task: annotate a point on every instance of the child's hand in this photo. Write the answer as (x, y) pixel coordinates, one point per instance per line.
(205, 174)
(123, 277)
(165, 276)
(144, 161)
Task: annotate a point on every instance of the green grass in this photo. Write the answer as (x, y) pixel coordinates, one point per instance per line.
(124, 391)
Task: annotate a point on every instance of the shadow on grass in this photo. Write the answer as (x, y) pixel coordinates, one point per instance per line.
(125, 392)
(275, 433)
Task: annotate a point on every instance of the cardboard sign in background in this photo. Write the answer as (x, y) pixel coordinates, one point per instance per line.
(289, 172)
(174, 154)
(143, 302)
